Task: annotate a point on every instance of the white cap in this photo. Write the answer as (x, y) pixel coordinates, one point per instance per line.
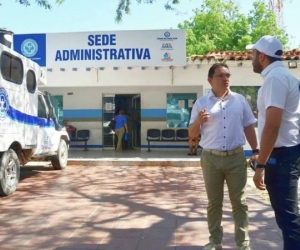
(268, 45)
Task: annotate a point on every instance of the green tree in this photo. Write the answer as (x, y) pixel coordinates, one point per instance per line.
(218, 25)
(43, 3)
(124, 6)
(264, 22)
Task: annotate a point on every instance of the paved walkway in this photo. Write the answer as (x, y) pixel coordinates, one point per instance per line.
(127, 201)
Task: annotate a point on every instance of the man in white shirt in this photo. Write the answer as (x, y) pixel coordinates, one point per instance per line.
(278, 161)
(225, 118)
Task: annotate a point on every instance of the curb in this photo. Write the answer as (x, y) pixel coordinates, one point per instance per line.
(135, 162)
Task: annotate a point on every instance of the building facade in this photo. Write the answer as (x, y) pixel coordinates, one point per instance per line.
(154, 94)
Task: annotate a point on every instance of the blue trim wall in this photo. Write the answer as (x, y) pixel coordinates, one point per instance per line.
(98, 113)
(154, 113)
(82, 113)
(145, 114)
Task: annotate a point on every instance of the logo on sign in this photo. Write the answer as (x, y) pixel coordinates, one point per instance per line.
(167, 34)
(4, 103)
(29, 47)
(166, 46)
(167, 57)
(167, 37)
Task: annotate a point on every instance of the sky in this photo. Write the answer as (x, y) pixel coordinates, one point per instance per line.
(99, 15)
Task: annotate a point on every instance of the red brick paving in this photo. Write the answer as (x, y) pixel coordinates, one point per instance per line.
(121, 207)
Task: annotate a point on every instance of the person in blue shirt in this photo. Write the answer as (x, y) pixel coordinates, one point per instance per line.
(121, 128)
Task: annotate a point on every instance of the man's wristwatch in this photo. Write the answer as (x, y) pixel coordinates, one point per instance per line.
(258, 165)
(255, 151)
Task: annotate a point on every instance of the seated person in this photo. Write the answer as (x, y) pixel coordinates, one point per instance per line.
(71, 130)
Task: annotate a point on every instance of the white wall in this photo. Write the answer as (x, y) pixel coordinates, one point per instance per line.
(88, 87)
(191, 75)
(152, 97)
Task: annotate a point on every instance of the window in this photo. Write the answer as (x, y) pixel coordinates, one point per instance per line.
(57, 102)
(11, 68)
(249, 92)
(179, 107)
(31, 81)
(42, 111)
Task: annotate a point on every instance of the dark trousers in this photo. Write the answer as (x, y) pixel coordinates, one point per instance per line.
(281, 179)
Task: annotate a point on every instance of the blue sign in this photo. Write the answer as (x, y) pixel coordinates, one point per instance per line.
(33, 46)
(104, 48)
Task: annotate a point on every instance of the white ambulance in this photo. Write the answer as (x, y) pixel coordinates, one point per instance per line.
(29, 130)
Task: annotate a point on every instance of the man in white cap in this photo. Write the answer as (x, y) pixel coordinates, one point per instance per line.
(278, 161)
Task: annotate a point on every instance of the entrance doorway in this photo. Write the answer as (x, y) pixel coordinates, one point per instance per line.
(131, 104)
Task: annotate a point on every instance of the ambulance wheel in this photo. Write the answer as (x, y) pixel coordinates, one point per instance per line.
(60, 160)
(9, 172)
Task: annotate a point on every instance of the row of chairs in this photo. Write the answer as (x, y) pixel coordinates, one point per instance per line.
(157, 135)
(167, 134)
(81, 135)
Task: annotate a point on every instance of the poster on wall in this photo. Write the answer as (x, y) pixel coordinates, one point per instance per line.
(190, 103)
(107, 48)
(181, 104)
(108, 106)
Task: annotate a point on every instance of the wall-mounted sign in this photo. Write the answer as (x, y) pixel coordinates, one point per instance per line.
(107, 48)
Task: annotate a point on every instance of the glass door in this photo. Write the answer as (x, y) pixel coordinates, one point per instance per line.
(136, 125)
(108, 113)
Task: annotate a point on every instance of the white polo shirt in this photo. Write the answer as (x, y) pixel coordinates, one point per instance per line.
(225, 128)
(281, 90)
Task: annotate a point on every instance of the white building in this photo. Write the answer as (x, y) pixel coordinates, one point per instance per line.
(90, 91)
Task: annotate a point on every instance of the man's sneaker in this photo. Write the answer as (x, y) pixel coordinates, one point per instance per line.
(212, 246)
(244, 248)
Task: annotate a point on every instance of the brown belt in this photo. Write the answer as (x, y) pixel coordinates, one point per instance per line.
(224, 153)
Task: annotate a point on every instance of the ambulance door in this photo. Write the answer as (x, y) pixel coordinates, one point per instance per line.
(44, 128)
(12, 99)
(31, 107)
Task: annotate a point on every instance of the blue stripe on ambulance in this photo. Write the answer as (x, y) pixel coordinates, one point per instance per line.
(20, 117)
